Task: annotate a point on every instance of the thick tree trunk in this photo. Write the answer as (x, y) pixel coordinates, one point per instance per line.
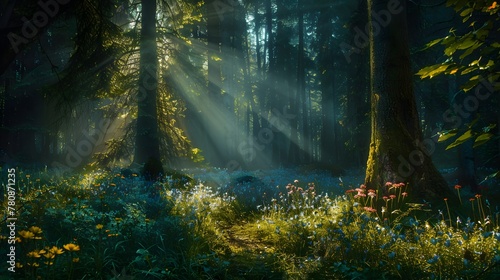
(396, 150)
(147, 145)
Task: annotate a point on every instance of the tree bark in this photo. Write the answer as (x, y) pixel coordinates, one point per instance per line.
(324, 33)
(147, 145)
(396, 150)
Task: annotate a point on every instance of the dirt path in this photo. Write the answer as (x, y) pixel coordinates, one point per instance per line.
(242, 239)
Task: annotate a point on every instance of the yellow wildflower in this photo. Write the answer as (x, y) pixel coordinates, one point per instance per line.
(33, 254)
(26, 234)
(99, 226)
(71, 247)
(35, 230)
(55, 250)
(75, 260)
(49, 255)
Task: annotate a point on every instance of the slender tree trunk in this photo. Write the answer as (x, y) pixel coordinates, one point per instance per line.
(256, 112)
(396, 150)
(212, 148)
(147, 144)
(268, 92)
(324, 32)
(301, 84)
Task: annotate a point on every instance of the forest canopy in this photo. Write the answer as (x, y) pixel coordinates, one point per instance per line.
(244, 84)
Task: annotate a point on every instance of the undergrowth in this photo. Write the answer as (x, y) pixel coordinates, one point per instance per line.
(105, 225)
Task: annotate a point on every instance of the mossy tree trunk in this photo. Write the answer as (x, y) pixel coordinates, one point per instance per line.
(396, 150)
(147, 144)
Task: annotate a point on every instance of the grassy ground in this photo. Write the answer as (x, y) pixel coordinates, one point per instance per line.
(104, 225)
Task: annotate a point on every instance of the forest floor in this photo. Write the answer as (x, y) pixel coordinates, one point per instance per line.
(249, 225)
(252, 252)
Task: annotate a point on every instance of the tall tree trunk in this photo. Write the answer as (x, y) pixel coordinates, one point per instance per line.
(301, 90)
(396, 150)
(147, 144)
(256, 110)
(324, 32)
(212, 148)
(268, 92)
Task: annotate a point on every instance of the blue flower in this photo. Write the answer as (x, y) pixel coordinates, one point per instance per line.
(433, 260)
(392, 255)
(487, 234)
(447, 243)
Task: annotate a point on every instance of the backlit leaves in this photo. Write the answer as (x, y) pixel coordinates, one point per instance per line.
(481, 137)
(445, 135)
(464, 137)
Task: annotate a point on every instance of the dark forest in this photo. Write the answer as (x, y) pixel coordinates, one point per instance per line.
(250, 139)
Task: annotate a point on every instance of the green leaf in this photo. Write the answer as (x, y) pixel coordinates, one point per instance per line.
(432, 43)
(483, 138)
(445, 135)
(468, 70)
(449, 51)
(432, 71)
(469, 85)
(475, 62)
(466, 136)
(466, 12)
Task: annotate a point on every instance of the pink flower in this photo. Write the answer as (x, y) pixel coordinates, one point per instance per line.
(388, 184)
(370, 209)
(363, 186)
(404, 194)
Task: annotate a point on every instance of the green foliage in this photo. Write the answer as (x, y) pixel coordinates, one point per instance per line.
(471, 51)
